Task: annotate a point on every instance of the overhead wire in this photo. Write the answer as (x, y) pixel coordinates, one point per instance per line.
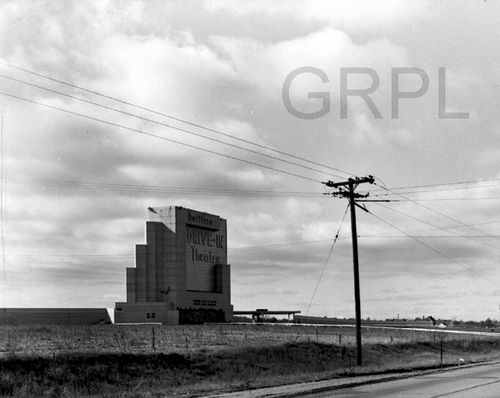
(435, 250)
(157, 136)
(163, 115)
(57, 274)
(191, 191)
(2, 204)
(183, 190)
(327, 260)
(393, 190)
(158, 189)
(165, 125)
(275, 245)
(445, 216)
(445, 184)
(427, 236)
(448, 199)
(72, 256)
(181, 120)
(207, 129)
(108, 287)
(266, 247)
(440, 228)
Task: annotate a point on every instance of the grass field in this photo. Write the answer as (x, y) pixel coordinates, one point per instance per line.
(159, 361)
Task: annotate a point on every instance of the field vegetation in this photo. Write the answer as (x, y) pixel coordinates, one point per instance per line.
(159, 361)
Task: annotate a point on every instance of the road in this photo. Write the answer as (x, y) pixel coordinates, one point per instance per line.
(470, 382)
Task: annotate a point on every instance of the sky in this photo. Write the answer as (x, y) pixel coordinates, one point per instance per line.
(244, 109)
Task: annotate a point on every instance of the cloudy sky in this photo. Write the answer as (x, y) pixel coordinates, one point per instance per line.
(110, 107)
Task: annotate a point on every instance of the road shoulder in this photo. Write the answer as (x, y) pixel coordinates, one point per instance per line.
(291, 390)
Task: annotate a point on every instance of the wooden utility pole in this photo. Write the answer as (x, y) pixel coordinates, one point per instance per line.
(351, 184)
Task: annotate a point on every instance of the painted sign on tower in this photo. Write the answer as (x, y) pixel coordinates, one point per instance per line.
(181, 273)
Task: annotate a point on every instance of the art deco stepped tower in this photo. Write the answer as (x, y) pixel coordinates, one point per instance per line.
(181, 274)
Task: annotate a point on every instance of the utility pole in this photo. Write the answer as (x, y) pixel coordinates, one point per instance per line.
(351, 184)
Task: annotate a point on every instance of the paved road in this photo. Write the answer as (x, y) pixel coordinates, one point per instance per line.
(470, 382)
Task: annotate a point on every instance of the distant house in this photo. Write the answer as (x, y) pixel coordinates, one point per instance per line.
(444, 323)
(423, 322)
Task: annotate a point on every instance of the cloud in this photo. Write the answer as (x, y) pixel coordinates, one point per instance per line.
(78, 186)
(266, 65)
(353, 15)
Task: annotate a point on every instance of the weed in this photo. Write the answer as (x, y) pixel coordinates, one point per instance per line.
(107, 361)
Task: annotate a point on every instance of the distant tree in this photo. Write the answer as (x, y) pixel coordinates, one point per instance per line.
(489, 323)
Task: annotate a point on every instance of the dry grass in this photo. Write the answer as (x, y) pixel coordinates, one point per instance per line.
(48, 340)
(137, 361)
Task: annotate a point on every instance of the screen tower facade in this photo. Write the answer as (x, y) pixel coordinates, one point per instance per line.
(181, 274)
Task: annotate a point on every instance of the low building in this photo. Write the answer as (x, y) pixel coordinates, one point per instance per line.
(181, 273)
(444, 323)
(54, 316)
(399, 323)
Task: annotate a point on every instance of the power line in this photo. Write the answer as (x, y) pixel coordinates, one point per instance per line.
(161, 114)
(435, 226)
(83, 284)
(452, 227)
(327, 260)
(131, 255)
(165, 125)
(2, 204)
(445, 216)
(199, 191)
(58, 274)
(72, 256)
(435, 250)
(448, 183)
(157, 136)
(192, 191)
(447, 199)
(429, 236)
(250, 248)
(439, 185)
(159, 189)
(259, 247)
